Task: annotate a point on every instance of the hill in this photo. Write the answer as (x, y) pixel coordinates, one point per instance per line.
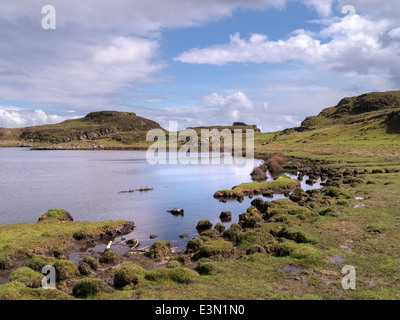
(368, 107)
(101, 127)
(362, 131)
(370, 121)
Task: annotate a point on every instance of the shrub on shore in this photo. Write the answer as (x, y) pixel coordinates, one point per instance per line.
(275, 162)
(259, 173)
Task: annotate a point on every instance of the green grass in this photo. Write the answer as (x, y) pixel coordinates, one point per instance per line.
(279, 185)
(18, 239)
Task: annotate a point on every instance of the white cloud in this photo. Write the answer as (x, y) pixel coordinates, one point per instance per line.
(102, 49)
(12, 117)
(323, 7)
(231, 108)
(271, 108)
(352, 44)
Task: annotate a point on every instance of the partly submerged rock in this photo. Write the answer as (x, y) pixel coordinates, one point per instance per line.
(176, 212)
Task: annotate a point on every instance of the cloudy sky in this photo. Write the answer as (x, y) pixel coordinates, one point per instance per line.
(264, 62)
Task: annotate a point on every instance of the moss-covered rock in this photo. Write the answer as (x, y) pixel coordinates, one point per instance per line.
(27, 276)
(281, 184)
(84, 268)
(87, 287)
(255, 237)
(194, 245)
(225, 216)
(250, 219)
(298, 195)
(179, 275)
(218, 248)
(18, 291)
(342, 202)
(206, 266)
(332, 192)
(329, 212)
(60, 253)
(174, 264)
(292, 234)
(211, 233)
(159, 249)
(6, 261)
(255, 249)
(233, 233)
(297, 251)
(306, 252)
(56, 215)
(346, 194)
(92, 262)
(128, 274)
(12, 291)
(39, 261)
(262, 206)
(65, 270)
(80, 235)
(219, 227)
(285, 248)
(110, 257)
(203, 225)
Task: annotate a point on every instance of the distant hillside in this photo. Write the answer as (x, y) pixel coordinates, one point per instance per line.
(94, 126)
(236, 126)
(370, 120)
(365, 108)
(365, 125)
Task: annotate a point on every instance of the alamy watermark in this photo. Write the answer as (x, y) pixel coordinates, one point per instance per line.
(49, 21)
(49, 280)
(349, 280)
(202, 147)
(349, 10)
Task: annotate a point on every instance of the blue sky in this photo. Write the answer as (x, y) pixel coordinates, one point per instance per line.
(264, 62)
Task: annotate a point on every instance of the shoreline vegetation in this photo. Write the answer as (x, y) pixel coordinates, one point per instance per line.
(291, 248)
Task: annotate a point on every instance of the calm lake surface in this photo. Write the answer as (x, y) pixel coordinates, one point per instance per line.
(87, 185)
